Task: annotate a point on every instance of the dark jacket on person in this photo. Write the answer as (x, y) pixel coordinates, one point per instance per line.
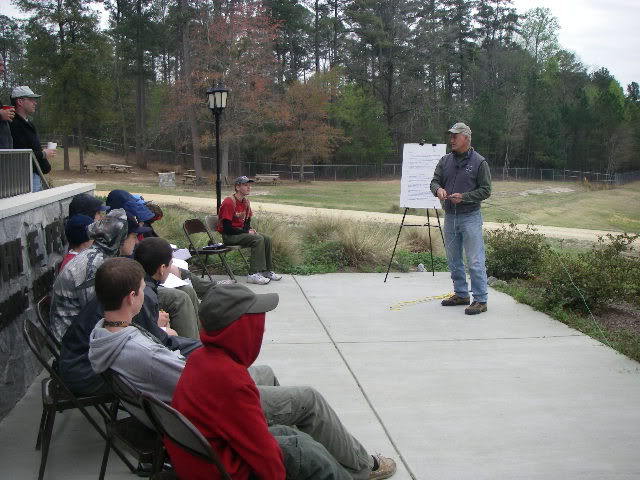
(25, 136)
(6, 140)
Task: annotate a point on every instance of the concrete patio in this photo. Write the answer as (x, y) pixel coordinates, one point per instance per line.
(509, 394)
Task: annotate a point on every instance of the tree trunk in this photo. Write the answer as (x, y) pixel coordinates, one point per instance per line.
(186, 75)
(140, 100)
(67, 167)
(81, 147)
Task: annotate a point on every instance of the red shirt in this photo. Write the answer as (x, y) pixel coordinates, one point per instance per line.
(234, 210)
(67, 258)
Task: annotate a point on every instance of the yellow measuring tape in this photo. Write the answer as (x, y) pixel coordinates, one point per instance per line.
(401, 305)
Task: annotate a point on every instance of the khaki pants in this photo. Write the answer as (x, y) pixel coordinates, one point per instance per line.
(260, 249)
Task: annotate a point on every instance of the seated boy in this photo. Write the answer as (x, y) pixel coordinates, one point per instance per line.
(229, 415)
(76, 232)
(154, 369)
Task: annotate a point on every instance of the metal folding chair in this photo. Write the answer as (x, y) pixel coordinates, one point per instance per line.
(42, 313)
(56, 397)
(195, 226)
(136, 432)
(181, 431)
(211, 222)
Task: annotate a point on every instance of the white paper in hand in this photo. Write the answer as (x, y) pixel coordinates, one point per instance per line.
(182, 254)
(180, 264)
(173, 282)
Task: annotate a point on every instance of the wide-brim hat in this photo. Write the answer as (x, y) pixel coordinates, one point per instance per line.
(224, 304)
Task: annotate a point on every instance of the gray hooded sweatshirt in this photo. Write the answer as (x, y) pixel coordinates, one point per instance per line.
(133, 353)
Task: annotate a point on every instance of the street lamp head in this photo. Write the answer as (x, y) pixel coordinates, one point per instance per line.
(217, 98)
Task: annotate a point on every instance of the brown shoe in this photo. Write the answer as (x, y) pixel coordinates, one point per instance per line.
(386, 468)
(454, 301)
(475, 308)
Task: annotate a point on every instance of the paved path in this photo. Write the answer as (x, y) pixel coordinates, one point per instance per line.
(208, 205)
(509, 394)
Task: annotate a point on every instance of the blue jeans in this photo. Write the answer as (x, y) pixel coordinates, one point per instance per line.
(464, 231)
(37, 184)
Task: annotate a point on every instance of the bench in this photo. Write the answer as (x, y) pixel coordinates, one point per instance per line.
(272, 178)
(189, 179)
(101, 168)
(121, 168)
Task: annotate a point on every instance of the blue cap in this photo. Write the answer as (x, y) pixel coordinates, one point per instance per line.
(123, 199)
(133, 225)
(76, 229)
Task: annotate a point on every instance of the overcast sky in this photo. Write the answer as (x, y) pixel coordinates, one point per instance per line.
(601, 33)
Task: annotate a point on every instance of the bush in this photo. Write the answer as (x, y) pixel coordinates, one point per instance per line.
(515, 253)
(364, 245)
(602, 275)
(320, 228)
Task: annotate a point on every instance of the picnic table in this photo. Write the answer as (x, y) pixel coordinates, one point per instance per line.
(121, 168)
(101, 168)
(272, 178)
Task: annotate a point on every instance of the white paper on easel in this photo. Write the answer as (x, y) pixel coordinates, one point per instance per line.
(418, 165)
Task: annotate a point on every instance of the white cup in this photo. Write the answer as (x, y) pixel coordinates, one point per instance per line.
(52, 145)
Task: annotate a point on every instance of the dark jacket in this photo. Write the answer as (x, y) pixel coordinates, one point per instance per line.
(6, 141)
(25, 136)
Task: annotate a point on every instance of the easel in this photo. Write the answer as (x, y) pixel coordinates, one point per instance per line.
(418, 164)
(428, 225)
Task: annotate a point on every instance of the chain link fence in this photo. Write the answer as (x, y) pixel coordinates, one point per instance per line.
(387, 171)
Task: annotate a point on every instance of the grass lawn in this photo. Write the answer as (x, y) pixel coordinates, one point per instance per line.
(560, 204)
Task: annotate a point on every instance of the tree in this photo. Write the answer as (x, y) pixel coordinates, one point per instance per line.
(303, 133)
(539, 34)
(367, 139)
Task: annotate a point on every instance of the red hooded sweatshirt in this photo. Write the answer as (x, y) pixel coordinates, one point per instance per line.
(217, 394)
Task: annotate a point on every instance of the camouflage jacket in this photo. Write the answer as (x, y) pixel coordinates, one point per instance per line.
(74, 287)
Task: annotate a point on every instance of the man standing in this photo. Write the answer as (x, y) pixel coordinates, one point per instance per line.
(6, 117)
(461, 181)
(234, 222)
(24, 132)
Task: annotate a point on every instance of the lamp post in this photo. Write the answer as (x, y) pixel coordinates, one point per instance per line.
(217, 103)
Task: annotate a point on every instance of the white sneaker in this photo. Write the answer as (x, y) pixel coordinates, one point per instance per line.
(257, 278)
(225, 282)
(272, 276)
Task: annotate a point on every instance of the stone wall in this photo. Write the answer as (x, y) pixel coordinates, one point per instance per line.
(32, 244)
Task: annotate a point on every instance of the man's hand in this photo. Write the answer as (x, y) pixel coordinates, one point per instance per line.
(442, 194)
(175, 270)
(455, 198)
(171, 332)
(50, 153)
(7, 115)
(252, 231)
(163, 318)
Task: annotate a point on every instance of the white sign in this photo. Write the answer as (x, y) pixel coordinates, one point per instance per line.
(418, 165)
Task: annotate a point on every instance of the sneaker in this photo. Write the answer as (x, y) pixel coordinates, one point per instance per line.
(258, 279)
(227, 281)
(386, 468)
(475, 308)
(454, 300)
(271, 276)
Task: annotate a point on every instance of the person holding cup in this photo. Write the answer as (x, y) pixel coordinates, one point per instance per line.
(6, 116)
(24, 131)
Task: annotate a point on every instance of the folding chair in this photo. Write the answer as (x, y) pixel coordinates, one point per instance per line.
(211, 221)
(181, 431)
(56, 397)
(136, 432)
(195, 226)
(42, 313)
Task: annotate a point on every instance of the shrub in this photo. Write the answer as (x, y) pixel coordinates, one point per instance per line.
(515, 253)
(325, 257)
(406, 261)
(364, 245)
(320, 228)
(417, 240)
(602, 275)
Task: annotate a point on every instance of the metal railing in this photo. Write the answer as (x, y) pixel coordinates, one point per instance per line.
(16, 172)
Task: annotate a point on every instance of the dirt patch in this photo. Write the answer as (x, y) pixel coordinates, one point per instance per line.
(623, 316)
